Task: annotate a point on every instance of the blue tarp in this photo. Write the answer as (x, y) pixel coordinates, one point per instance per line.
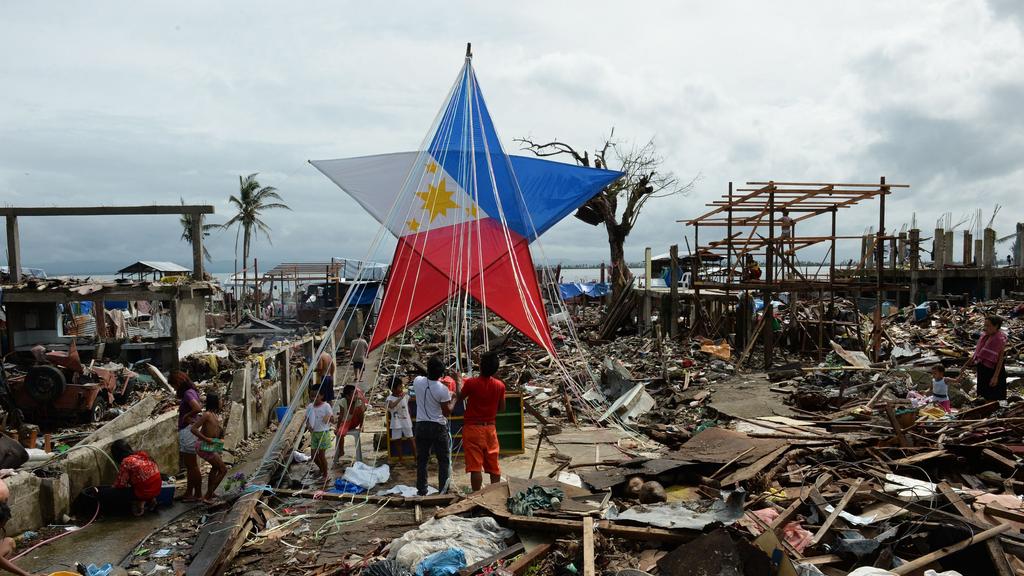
(364, 294)
(570, 290)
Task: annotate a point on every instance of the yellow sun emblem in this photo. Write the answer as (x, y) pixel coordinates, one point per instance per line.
(437, 200)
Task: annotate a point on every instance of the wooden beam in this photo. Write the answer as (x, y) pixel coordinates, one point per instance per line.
(106, 210)
(995, 550)
(523, 563)
(836, 511)
(606, 527)
(588, 547)
(478, 566)
(927, 559)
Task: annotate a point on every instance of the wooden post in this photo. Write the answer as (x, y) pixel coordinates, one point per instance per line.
(13, 249)
(876, 331)
(768, 313)
(673, 277)
(99, 311)
(196, 220)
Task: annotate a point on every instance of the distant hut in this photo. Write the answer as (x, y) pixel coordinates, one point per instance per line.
(153, 270)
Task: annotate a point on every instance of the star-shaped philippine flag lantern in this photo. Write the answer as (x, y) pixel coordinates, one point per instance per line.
(464, 213)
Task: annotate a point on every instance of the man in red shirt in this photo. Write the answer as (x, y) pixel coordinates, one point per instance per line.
(485, 397)
(137, 472)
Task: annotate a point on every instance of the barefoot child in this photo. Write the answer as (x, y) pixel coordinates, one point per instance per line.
(351, 410)
(940, 387)
(318, 420)
(7, 545)
(401, 422)
(209, 430)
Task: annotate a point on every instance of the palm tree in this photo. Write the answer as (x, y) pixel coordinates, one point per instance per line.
(252, 199)
(186, 230)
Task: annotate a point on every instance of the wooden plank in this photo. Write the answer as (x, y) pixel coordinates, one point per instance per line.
(520, 566)
(941, 553)
(890, 412)
(433, 500)
(918, 458)
(786, 514)
(642, 533)
(1005, 462)
(588, 547)
(994, 509)
(995, 550)
(219, 541)
(486, 562)
(836, 511)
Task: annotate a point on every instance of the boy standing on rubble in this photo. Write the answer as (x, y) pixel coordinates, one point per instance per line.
(485, 398)
(209, 432)
(988, 358)
(318, 420)
(400, 420)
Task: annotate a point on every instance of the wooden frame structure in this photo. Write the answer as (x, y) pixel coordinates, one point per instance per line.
(754, 228)
(14, 239)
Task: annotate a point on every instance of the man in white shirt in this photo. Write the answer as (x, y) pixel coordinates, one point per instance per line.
(433, 406)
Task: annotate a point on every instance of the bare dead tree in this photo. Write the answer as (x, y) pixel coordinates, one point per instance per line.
(618, 206)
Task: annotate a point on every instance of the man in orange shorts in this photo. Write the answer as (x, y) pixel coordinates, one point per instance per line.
(485, 398)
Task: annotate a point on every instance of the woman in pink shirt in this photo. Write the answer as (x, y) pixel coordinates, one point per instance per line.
(988, 359)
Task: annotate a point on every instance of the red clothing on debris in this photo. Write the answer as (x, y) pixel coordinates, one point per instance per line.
(141, 473)
(482, 395)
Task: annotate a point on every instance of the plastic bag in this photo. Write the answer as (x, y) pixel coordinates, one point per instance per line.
(443, 563)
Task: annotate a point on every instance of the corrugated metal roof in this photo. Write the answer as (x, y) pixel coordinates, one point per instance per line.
(153, 266)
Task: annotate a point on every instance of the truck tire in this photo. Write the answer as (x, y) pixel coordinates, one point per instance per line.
(44, 383)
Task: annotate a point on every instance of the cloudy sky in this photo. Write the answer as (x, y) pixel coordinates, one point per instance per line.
(124, 103)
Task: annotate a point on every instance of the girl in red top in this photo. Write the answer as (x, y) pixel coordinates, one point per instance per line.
(136, 470)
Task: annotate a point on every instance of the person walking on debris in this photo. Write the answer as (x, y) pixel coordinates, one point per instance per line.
(988, 359)
(209, 432)
(188, 408)
(940, 387)
(325, 371)
(433, 406)
(485, 398)
(351, 410)
(7, 546)
(318, 420)
(359, 348)
(401, 421)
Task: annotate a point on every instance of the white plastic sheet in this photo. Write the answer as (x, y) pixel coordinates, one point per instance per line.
(367, 476)
(478, 538)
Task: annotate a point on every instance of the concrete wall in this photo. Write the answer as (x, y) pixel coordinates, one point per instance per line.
(38, 501)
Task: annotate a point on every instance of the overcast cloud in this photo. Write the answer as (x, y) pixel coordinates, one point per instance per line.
(129, 103)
